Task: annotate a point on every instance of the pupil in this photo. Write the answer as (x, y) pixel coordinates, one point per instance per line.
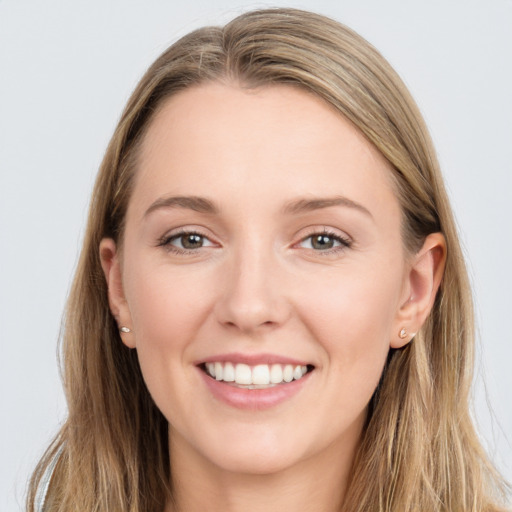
(322, 242)
(192, 241)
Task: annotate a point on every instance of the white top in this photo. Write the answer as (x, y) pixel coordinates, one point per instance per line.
(44, 484)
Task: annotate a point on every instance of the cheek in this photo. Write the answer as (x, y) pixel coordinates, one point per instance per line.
(353, 321)
(166, 306)
(355, 307)
(167, 310)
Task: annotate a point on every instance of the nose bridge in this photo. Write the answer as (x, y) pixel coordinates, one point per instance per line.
(252, 296)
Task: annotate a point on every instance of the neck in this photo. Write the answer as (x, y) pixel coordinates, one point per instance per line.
(317, 483)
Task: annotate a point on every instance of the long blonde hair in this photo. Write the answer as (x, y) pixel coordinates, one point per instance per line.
(419, 451)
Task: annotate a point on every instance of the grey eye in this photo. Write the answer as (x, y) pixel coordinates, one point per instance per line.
(191, 241)
(322, 242)
(188, 241)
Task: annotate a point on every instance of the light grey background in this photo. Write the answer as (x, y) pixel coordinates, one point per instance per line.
(66, 70)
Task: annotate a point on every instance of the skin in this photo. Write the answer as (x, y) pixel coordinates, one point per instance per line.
(258, 285)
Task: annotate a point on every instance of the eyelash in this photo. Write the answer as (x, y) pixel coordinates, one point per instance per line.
(166, 240)
(344, 243)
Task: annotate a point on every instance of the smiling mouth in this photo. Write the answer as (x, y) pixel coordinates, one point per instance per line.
(259, 376)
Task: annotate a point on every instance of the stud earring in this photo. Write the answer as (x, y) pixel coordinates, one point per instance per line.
(125, 329)
(403, 333)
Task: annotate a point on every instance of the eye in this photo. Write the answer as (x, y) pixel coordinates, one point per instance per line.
(185, 241)
(188, 241)
(324, 241)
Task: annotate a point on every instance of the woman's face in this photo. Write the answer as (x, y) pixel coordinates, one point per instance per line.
(262, 241)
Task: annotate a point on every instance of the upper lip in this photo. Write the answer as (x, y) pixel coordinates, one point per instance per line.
(253, 359)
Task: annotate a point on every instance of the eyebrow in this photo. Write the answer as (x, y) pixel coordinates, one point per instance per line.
(198, 204)
(307, 205)
(203, 205)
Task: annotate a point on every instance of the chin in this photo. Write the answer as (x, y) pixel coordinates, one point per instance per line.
(256, 452)
(256, 463)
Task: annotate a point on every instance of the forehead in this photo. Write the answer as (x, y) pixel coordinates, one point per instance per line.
(226, 141)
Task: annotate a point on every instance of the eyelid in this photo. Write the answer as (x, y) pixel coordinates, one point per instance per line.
(165, 240)
(345, 241)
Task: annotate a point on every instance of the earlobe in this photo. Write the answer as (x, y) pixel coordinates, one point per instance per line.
(422, 283)
(118, 306)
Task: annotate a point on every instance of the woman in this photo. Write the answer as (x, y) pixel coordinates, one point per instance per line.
(271, 307)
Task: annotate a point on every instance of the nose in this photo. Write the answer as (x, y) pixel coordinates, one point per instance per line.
(252, 296)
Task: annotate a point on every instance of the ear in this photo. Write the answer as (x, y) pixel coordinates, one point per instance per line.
(118, 306)
(421, 283)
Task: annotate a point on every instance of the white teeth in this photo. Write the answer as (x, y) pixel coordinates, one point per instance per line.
(229, 373)
(218, 371)
(243, 374)
(259, 375)
(276, 374)
(288, 373)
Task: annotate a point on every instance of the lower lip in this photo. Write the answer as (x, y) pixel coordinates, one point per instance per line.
(254, 399)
